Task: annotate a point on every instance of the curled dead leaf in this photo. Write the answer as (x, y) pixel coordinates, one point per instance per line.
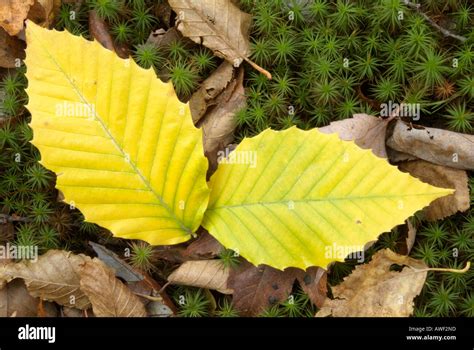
(209, 274)
(441, 176)
(373, 290)
(205, 97)
(219, 123)
(437, 146)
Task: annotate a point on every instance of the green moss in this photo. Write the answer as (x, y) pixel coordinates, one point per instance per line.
(142, 256)
(147, 55)
(107, 9)
(192, 303)
(122, 32)
(226, 309)
(460, 118)
(273, 311)
(442, 302)
(329, 59)
(229, 258)
(184, 77)
(467, 305)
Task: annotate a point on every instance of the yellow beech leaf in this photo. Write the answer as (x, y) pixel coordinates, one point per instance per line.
(304, 198)
(124, 148)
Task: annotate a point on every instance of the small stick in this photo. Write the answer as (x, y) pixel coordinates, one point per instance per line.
(433, 23)
(149, 297)
(465, 269)
(258, 68)
(4, 218)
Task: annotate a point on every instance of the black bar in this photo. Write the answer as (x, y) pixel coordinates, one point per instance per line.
(371, 332)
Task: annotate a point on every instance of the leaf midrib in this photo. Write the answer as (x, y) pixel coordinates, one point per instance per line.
(286, 201)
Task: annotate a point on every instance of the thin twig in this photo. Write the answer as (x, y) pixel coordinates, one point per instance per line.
(162, 290)
(433, 23)
(4, 218)
(414, 270)
(465, 269)
(149, 297)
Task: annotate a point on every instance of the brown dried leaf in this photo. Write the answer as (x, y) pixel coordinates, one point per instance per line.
(219, 123)
(397, 157)
(314, 283)
(3, 262)
(205, 246)
(437, 146)
(209, 274)
(258, 288)
(42, 12)
(108, 295)
(54, 276)
(219, 25)
(204, 98)
(366, 131)
(11, 49)
(160, 38)
(411, 236)
(173, 254)
(13, 13)
(372, 290)
(441, 176)
(72, 312)
(100, 32)
(45, 308)
(15, 300)
(137, 281)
